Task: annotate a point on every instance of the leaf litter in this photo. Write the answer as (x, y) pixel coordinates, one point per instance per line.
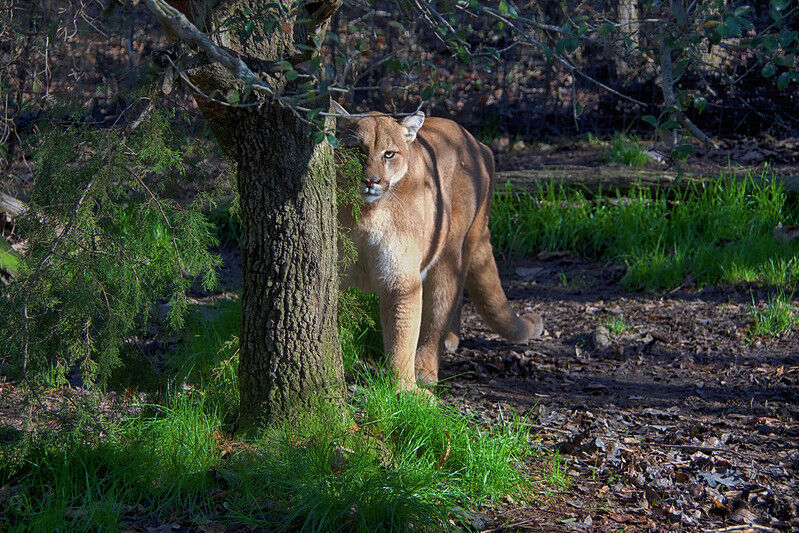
(678, 421)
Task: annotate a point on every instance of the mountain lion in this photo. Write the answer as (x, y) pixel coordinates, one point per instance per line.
(422, 235)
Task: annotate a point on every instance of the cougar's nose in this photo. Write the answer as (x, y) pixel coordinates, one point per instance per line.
(370, 180)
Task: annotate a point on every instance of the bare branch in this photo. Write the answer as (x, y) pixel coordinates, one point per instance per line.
(532, 41)
(188, 32)
(667, 83)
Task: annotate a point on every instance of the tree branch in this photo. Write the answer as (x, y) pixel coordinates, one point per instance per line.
(188, 32)
(529, 40)
(667, 86)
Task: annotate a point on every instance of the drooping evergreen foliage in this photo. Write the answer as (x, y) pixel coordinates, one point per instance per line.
(104, 250)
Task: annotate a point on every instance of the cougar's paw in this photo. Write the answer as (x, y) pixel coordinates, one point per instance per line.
(413, 388)
(426, 378)
(451, 342)
(536, 325)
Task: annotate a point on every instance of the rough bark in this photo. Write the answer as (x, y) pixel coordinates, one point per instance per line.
(289, 355)
(289, 358)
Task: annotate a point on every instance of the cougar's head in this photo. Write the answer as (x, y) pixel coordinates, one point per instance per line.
(385, 145)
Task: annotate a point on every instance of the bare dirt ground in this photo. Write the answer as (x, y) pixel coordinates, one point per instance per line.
(740, 153)
(680, 421)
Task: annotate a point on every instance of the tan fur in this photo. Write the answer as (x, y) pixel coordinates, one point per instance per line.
(425, 239)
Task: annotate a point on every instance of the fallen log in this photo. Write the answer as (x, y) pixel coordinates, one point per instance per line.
(11, 206)
(610, 179)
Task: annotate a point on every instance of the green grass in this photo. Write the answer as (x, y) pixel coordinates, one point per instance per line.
(778, 316)
(162, 461)
(359, 328)
(616, 325)
(558, 466)
(383, 462)
(389, 462)
(9, 260)
(628, 150)
(719, 232)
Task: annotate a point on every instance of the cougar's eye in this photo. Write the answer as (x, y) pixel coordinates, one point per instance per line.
(389, 154)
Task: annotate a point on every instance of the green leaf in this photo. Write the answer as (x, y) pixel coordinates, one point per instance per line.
(733, 26)
(682, 151)
(291, 75)
(746, 23)
(649, 119)
(503, 8)
(428, 92)
(769, 43)
(786, 78)
(742, 11)
(248, 27)
(669, 125)
(768, 70)
(332, 140)
(787, 37)
(700, 103)
(568, 44)
(780, 5)
(318, 137)
(606, 29)
(313, 113)
(679, 69)
(9, 260)
(397, 25)
(233, 97)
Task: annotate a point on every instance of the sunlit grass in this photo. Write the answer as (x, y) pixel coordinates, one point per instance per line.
(778, 316)
(616, 325)
(628, 150)
(716, 232)
(381, 462)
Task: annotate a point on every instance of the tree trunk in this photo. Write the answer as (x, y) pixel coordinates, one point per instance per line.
(289, 357)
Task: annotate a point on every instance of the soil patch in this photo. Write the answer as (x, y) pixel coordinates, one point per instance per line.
(742, 154)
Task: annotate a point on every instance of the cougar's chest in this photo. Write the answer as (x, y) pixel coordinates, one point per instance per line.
(389, 245)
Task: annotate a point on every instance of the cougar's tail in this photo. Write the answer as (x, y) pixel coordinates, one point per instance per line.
(482, 277)
(482, 282)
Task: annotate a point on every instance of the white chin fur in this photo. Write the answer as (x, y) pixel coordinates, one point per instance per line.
(370, 196)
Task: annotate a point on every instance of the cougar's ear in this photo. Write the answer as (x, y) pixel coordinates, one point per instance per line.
(339, 109)
(411, 125)
(345, 125)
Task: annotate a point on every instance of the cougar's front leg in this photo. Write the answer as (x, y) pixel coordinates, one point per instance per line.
(443, 291)
(401, 316)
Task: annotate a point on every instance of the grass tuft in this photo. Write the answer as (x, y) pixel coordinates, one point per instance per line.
(627, 150)
(616, 325)
(778, 316)
(383, 462)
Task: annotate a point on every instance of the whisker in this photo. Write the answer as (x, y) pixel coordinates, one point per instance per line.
(397, 197)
